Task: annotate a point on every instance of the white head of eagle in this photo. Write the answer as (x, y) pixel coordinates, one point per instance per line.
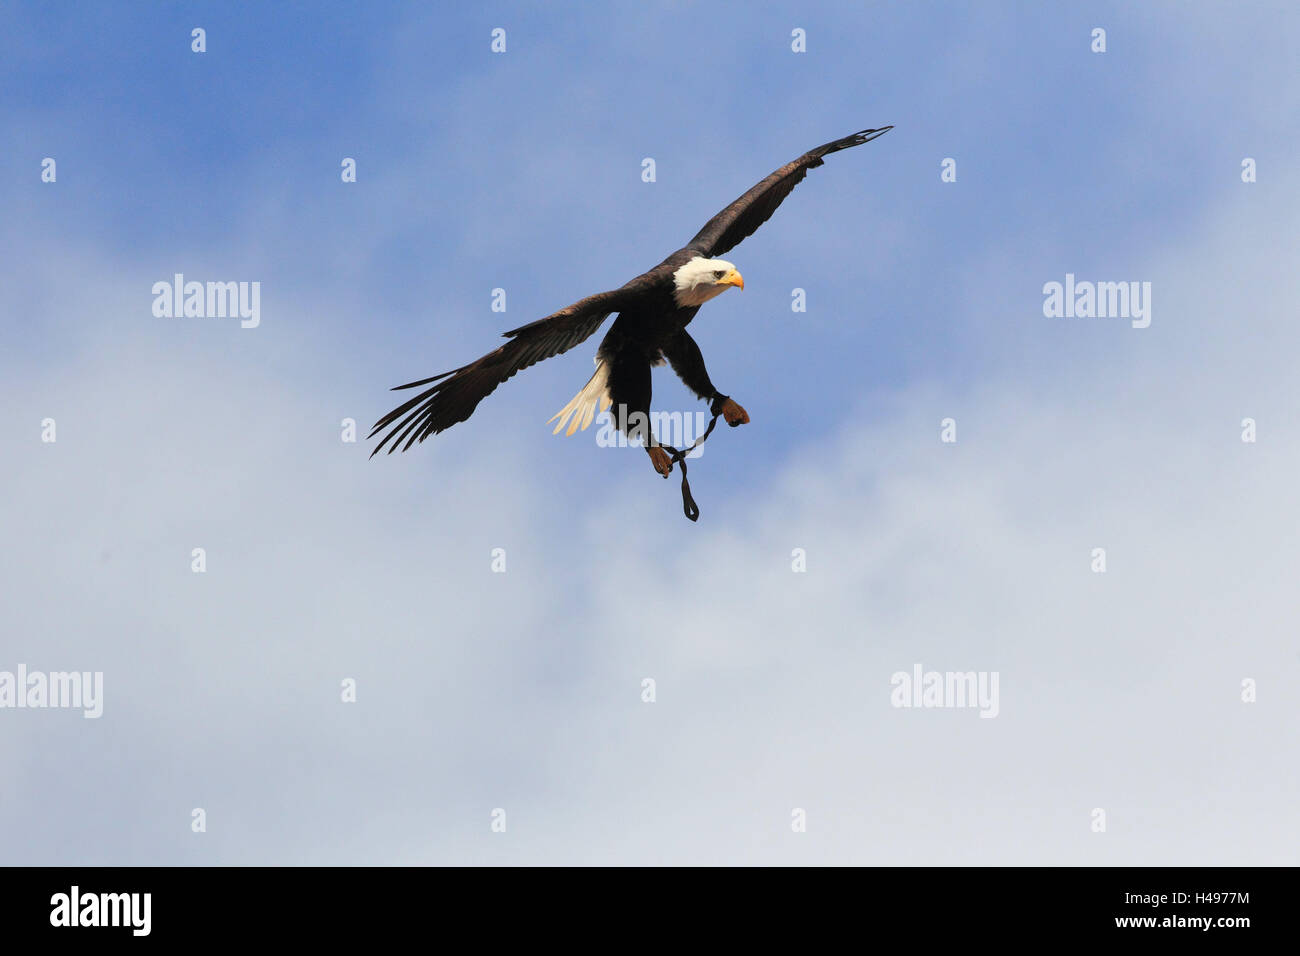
(701, 279)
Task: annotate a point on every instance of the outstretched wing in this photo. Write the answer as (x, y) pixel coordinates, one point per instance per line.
(738, 221)
(458, 392)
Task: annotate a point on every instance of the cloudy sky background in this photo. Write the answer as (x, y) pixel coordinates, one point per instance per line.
(522, 690)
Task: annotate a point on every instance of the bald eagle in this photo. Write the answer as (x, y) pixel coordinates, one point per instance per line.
(653, 312)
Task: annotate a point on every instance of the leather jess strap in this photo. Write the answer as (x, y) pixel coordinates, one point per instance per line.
(689, 507)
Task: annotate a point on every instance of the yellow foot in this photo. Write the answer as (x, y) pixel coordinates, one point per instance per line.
(734, 414)
(659, 458)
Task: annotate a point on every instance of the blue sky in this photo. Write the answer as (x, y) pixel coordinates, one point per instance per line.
(521, 690)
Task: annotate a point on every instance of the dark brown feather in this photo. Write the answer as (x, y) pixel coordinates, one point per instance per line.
(739, 220)
(458, 392)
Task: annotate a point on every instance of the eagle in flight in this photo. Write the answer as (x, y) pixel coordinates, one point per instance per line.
(653, 312)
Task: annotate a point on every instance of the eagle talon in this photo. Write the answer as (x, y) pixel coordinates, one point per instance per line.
(734, 414)
(659, 458)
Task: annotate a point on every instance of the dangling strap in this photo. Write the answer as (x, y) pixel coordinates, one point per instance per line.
(691, 509)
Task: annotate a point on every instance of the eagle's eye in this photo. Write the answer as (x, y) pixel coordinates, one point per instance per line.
(718, 274)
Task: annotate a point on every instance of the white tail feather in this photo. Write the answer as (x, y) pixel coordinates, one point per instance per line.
(581, 410)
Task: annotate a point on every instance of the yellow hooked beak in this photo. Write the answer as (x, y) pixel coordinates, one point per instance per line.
(733, 278)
